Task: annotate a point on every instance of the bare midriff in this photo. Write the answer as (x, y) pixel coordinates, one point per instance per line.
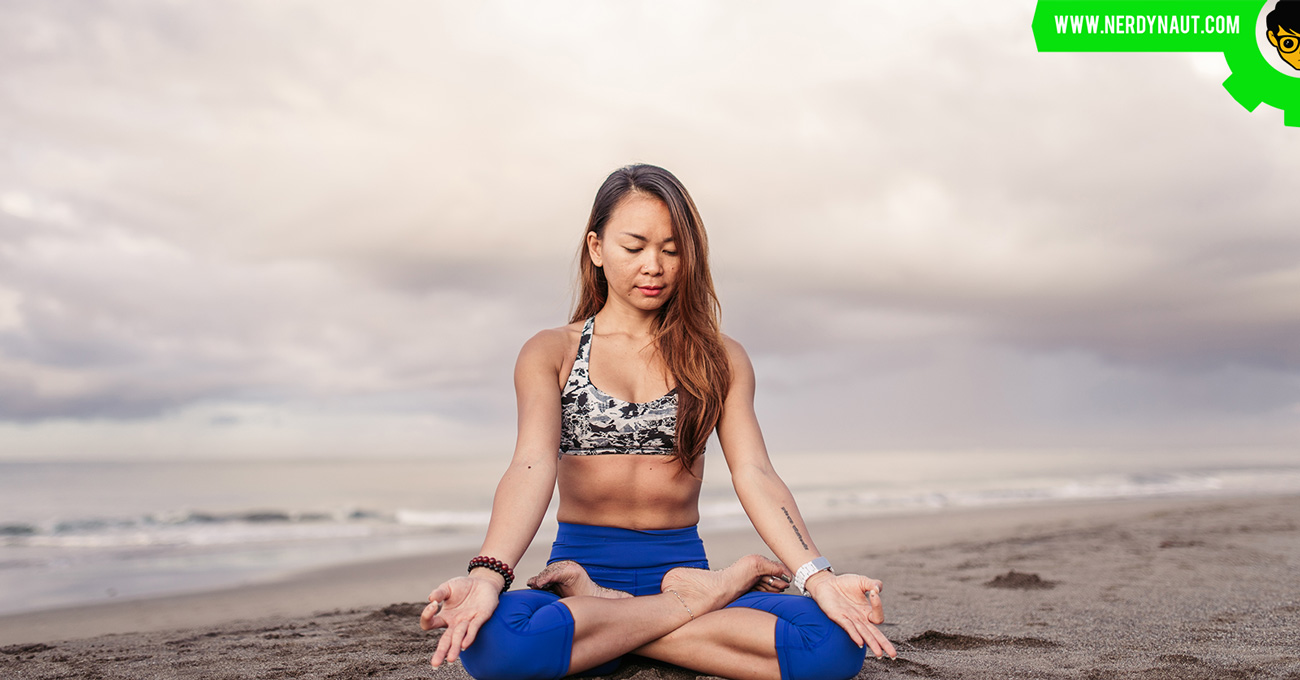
(628, 491)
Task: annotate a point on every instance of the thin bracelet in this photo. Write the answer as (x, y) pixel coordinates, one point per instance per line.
(688, 607)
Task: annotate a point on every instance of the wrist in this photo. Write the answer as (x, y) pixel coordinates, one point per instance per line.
(484, 574)
(492, 564)
(817, 580)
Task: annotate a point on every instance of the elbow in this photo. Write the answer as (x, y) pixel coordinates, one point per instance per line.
(753, 477)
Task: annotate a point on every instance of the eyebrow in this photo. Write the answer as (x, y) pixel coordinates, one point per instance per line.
(643, 239)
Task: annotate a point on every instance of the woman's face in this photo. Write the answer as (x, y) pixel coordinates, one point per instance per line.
(637, 252)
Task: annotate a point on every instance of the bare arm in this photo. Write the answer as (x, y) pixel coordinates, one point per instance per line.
(462, 604)
(765, 497)
(525, 489)
(852, 601)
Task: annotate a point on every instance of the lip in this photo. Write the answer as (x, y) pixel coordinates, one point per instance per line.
(650, 291)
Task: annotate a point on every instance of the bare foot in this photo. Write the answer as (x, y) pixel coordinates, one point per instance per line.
(706, 591)
(567, 578)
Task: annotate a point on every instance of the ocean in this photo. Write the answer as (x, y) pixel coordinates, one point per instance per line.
(74, 533)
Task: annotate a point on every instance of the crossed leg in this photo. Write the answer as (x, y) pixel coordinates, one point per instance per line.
(731, 643)
(735, 643)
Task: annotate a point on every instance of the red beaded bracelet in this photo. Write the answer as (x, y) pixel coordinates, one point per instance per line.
(495, 565)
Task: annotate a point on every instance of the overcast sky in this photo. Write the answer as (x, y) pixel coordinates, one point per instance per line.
(323, 228)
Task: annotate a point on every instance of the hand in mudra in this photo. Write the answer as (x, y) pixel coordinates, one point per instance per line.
(460, 605)
(853, 602)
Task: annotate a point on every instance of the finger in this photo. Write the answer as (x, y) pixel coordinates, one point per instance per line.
(455, 647)
(426, 618)
(440, 654)
(430, 619)
(861, 634)
(872, 643)
(439, 594)
(865, 584)
(471, 632)
(852, 629)
(877, 613)
(772, 568)
(885, 645)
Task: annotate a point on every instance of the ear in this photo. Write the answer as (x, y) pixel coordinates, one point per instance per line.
(594, 249)
(1272, 37)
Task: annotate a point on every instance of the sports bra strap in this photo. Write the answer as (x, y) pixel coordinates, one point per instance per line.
(594, 423)
(584, 344)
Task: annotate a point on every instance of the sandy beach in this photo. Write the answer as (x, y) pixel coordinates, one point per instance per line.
(1167, 588)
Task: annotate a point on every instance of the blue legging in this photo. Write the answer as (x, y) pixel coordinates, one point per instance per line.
(530, 635)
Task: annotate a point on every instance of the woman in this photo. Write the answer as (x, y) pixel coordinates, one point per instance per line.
(627, 572)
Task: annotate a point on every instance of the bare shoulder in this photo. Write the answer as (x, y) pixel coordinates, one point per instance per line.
(736, 355)
(549, 348)
(742, 371)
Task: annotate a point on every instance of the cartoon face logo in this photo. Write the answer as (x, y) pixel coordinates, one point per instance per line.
(1284, 31)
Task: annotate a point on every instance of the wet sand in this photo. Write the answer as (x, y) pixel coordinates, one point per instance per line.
(1172, 588)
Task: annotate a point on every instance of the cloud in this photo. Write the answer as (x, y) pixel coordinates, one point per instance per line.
(912, 213)
(112, 323)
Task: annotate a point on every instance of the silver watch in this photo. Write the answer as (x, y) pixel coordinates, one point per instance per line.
(808, 569)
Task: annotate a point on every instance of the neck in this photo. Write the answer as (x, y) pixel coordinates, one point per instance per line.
(617, 318)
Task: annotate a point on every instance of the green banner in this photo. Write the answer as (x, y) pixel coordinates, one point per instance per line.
(1141, 25)
(1265, 61)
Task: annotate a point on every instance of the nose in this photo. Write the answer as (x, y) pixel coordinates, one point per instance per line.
(652, 263)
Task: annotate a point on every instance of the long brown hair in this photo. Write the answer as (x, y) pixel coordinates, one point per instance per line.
(687, 335)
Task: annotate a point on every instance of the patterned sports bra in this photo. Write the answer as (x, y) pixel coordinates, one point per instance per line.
(593, 423)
